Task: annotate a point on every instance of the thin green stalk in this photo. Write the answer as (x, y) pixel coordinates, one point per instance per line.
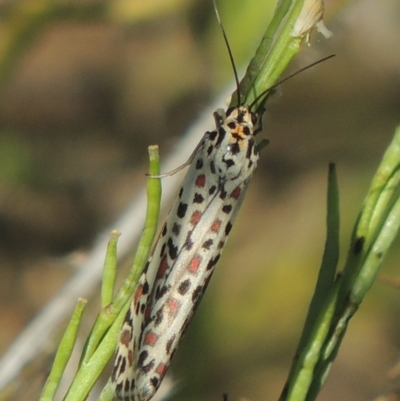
(89, 372)
(109, 270)
(63, 354)
(150, 229)
(125, 293)
(322, 306)
(302, 376)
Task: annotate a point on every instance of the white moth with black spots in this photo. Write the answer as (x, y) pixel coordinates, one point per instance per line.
(188, 247)
(185, 254)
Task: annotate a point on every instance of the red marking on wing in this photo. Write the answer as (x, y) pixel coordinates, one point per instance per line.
(150, 338)
(125, 337)
(201, 180)
(138, 294)
(147, 312)
(130, 357)
(163, 267)
(173, 306)
(196, 216)
(216, 225)
(161, 369)
(194, 264)
(236, 193)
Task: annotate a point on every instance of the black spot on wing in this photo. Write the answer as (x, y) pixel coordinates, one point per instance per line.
(198, 198)
(199, 164)
(221, 136)
(222, 193)
(197, 293)
(162, 251)
(182, 209)
(127, 386)
(212, 166)
(184, 287)
(212, 135)
(212, 262)
(142, 358)
(123, 365)
(161, 292)
(229, 163)
(228, 228)
(227, 209)
(207, 244)
(188, 245)
(176, 229)
(169, 344)
(159, 316)
(172, 249)
(145, 288)
(118, 388)
(154, 381)
(147, 368)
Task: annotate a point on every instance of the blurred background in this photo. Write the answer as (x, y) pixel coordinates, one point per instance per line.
(86, 86)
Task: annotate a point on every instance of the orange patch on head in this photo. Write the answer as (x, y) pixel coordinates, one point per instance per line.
(196, 216)
(216, 225)
(237, 129)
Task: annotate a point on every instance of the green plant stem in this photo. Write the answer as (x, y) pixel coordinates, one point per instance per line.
(109, 270)
(124, 295)
(100, 345)
(149, 231)
(64, 352)
(322, 306)
(276, 50)
(89, 372)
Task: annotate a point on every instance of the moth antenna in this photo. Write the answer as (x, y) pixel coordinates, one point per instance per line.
(229, 51)
(289, 77)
